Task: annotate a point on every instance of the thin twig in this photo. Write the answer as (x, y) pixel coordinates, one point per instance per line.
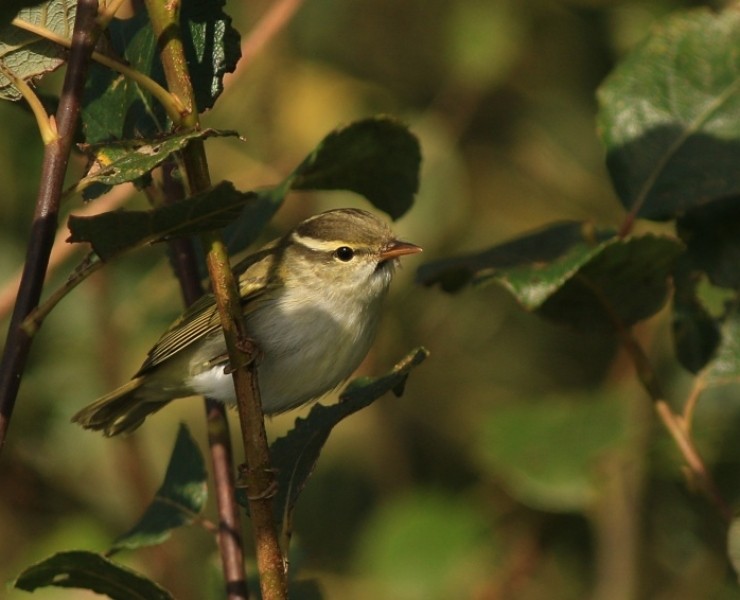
(61, 250)
(165, 23)
(170, 103)
(228, 533)
(43, 229)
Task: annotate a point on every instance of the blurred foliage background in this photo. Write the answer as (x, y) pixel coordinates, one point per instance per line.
(523, 460)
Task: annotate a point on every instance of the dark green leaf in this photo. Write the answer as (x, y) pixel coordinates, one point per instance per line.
(724, 368)
(670, 116)
(570, 277)
(543, 246)
(26, 55)
(378, 158)
(695, 332)
(112, 233)
(90, 571)
(116, 108)
(10, 8)
(295, 454)
(626, 281)
(212, 49)
(547, 454)
(178, 501)
(712, 237)
(119, 162)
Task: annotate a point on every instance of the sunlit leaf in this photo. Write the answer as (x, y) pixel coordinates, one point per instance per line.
(90, 571)
(724, 367)
(112, 233)
(567, 273)
(116, 108)
(547, 454)
(119, 162)
(670, 115)
(295, 454)
(178, 501)
(378, 158)
(28, 56)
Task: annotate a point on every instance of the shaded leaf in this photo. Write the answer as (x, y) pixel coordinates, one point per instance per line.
(624, 281)
(178, 501)
(695, 331)
(567, 273)
(547, 454)
(119, 162)
(27, 55)
(10, 8)
(670, 115)
(295, 454)
(116, 108)
(542, 246)
(90, 571)
(712, 237)
(378, 158)
(114, 232)
(725, 366)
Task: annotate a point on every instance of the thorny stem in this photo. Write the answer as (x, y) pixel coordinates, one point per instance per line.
(44, 226)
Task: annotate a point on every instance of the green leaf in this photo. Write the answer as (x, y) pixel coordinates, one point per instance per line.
(114, 232)
(724, 368)
(542, 246)
(712, 237)
(670, 115)
(547, 453)
(424, 546)
(378, 158)
(123, 161)
(178, 501)
(10, 8)
(27, 55)
(733, 545)
(695, 331)
(90, 571)
(115, 108)
(295, 454)
(212, 49)
(566, 273)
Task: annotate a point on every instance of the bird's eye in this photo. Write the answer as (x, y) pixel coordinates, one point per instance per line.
(344, 253)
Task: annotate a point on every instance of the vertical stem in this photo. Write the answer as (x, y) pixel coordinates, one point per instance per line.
(230, 543)
(43, 229)
(165, 22)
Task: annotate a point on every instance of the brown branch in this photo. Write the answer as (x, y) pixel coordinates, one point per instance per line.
(229, 529)
(164, 19)
(44, 226)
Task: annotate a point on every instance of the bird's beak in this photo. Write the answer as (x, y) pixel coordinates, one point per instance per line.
(398, 248)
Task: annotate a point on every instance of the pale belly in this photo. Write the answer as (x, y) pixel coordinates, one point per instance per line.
(318, 353)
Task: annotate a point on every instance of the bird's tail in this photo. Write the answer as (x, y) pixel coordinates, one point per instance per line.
(121, 411)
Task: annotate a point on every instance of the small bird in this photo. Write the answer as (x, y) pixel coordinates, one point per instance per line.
(311, 302)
